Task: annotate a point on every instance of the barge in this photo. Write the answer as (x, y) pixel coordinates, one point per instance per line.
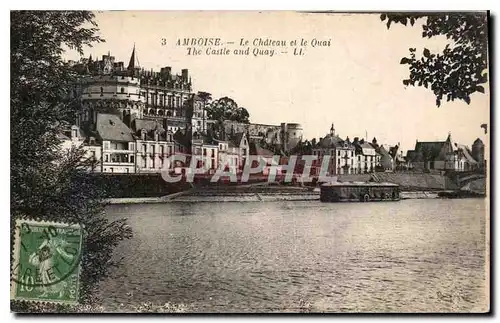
(359, 192)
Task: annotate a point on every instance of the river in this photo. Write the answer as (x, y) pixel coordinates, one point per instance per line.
(407, 256)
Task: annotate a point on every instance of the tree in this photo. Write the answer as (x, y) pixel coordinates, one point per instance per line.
(461, 68)
(45, 183)
(226, 108)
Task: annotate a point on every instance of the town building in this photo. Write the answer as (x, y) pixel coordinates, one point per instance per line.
(340, 152)
(118, 144)
(440, 156)
(154, 145)
(206, 150)
(366, 156)
(75, 138)
(239, 146)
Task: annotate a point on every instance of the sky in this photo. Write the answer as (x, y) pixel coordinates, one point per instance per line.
(355, 83)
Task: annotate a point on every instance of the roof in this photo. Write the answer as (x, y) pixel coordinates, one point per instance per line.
(110, 127)
(467, 153)
(432, 149)
(330, 141)
(393, 151)
(410, 155)
(382, 151)
(478, 142)
(366, 145)
(235, 141)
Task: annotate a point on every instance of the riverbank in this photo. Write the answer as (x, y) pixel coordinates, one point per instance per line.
(243, 193)
(266, 197)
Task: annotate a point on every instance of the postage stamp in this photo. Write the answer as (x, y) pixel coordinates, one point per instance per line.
(46, 262)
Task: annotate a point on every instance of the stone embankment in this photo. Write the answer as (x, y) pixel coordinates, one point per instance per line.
(406, 181)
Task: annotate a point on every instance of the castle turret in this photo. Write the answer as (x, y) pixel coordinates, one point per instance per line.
(478, 151)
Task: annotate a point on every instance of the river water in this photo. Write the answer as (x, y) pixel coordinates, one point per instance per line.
(412, 255)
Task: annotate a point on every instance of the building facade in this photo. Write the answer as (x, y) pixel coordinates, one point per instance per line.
(341, 154)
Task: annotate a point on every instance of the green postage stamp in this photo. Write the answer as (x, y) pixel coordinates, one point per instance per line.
(46, 262)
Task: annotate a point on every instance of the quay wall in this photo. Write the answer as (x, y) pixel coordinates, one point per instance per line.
(407, 181)
(153, 185)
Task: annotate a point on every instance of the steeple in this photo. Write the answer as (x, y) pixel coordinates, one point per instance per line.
(449, 136)
(332, 130)
(133, 63)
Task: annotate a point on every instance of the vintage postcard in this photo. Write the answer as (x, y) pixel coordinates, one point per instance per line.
(250, 162)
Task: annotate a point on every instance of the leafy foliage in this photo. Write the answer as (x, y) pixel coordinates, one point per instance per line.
(47, 184)
(226, 108)
(460, 69)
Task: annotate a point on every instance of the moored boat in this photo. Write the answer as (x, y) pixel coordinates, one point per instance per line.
(359, 192)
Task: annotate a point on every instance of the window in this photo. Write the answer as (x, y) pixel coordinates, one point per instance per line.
(152, 149)
(131, 159)
(106, 158)
(170, 150)
(128, 170)
(111, 169)
(144, 162)
(144, 148)
(204, 151)
(162, 149)
(213, 152)
(122, 90)
(102, 90)
(74, 133)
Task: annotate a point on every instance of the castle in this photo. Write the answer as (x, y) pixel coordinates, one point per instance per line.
(130, 119)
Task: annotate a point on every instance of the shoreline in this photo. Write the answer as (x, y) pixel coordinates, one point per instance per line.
(226, 197)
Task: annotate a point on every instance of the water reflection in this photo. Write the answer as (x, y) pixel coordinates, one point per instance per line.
(414, 255)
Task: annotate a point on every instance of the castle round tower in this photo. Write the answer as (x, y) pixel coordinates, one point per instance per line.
(478, 151)
(291, 134)
(112, 94)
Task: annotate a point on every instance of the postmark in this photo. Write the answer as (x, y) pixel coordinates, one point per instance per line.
(46, 262)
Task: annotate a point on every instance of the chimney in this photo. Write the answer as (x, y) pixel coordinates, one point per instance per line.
(185, 74)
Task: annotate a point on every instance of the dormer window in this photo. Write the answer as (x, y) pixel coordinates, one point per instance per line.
(143, 135)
